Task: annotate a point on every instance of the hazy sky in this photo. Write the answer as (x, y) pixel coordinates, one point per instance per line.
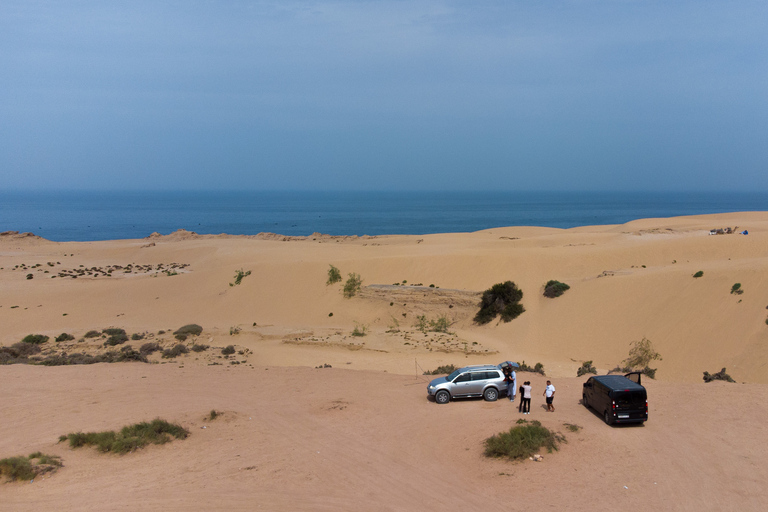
(388, 95)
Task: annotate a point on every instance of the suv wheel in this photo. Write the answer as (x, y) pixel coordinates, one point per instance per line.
(442, 397)
(491, 394)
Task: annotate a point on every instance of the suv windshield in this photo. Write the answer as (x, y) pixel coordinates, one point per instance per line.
(453, 375)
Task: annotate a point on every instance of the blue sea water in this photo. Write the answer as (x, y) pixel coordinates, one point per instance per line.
(107, 215)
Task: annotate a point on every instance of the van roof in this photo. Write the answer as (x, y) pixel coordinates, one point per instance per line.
(617, 382)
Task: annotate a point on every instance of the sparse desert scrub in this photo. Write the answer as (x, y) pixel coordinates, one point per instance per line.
(440, 324)
(586, 367)
(698, 274)
(116, 339)
(228, 350)
(189, 330)
(199, 348)
(113, 331)
(334, 276)
(352, 286)
(442, 370)
(92, 334)
(213, 415)
(35, 339)
(176, 351)
(640, 356)
(239, 275)
(736, 289)
(501, 299)
(721, 375)
(537, 368)
(522, 441)
(360, 330)
(149, 348)
(27, 468)
(129, 438)
(555, 289)
(64, 337)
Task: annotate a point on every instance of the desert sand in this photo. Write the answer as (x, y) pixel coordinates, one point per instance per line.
(317, 419)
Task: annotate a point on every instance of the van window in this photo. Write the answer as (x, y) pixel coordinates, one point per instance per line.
(632, 399)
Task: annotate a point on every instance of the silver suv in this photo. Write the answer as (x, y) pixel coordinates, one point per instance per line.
(485, 380)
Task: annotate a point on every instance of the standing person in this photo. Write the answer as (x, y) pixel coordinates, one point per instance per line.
(550, 394)
(525, 401)
(512, 385)
(520, 391)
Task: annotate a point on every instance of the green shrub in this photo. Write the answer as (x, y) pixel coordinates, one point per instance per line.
(501, 299)
(229, 349)
(721, 375)
(136, 336)
(239, 275)
(64, 337)
(92, 334)
(334, 276)
(352, 286)
(180, 337)
(586, 367)
(736, 288)
(698, 274)
(360, 330)
(35, 339)
(441, 324)
(522, 441)
(555, 289)
(537, 368)
(213, 415)
(129, 438)
(421, 323)
(442, 370)
(189, 330)
(113, 331)
(176, 351)
(116, 339)
(149, 348)
(27, 468)
(199, 348)
(640, 356)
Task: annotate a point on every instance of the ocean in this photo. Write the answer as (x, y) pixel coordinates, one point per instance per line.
(108, 215)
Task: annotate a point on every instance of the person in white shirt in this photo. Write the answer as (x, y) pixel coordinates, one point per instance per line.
(549, 393)
(526, 399)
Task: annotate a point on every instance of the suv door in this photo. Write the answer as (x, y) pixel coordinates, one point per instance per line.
(479, 379)
(461, 384)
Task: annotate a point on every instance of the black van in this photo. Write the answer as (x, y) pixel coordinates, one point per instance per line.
(620, 399)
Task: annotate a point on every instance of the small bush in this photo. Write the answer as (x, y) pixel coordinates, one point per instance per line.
(234, 330)
(440, 324)
(421, 323)
(136, 336)
(334, 276)
(35, 339)
(522, 441)
(129, 438)
(113, 331)
(64, 337)
(501, 299)
(736, 288)
(586, 367)
(92, 334)
(442, 370)
(360, 330)
(555, 289)
(698, 274)
(149, 348)
(239, 275)
(213, 415)
(640, 356)
(537, 368)
(229, 349)
(189, 330)
(26, 468)
(721, 375)
(116, 339)
(176, 351)
(199, 348)
(180, 337)
(352, 286)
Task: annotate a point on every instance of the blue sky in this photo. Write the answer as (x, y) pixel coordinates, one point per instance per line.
(385, 95)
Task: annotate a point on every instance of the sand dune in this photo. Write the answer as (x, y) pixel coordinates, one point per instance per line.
(361, 435)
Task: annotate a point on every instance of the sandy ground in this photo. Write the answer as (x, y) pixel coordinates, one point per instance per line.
(361, 435)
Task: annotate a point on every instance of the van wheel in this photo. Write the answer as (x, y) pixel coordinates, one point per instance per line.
(608, 420)
(491, 394)
(584, 401)
(442, 397)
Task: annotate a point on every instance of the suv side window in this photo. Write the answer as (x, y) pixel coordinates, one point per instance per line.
(464, 377)
(480, 376)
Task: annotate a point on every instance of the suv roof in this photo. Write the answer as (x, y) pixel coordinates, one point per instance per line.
(479, 367)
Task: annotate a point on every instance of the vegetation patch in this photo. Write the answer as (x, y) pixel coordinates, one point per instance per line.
(149, 348)
(130, 438)
(35, 339)
(537, 368)
(555, 289)
(640, 356)
(522, 441)
(736, 289)
(360, 330)
(442, 370)
(239, 275)
(586, 367)
(189, 330)
(199, 348)
(116, 339)
(334, 276)
(92, 334)
(352, 286)
(176, 351)
(228, 350)
(698, 274)
(213, 415)
(721, 375)
(501, 299)
(64, 337)
(114, 331)
(27, 468)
